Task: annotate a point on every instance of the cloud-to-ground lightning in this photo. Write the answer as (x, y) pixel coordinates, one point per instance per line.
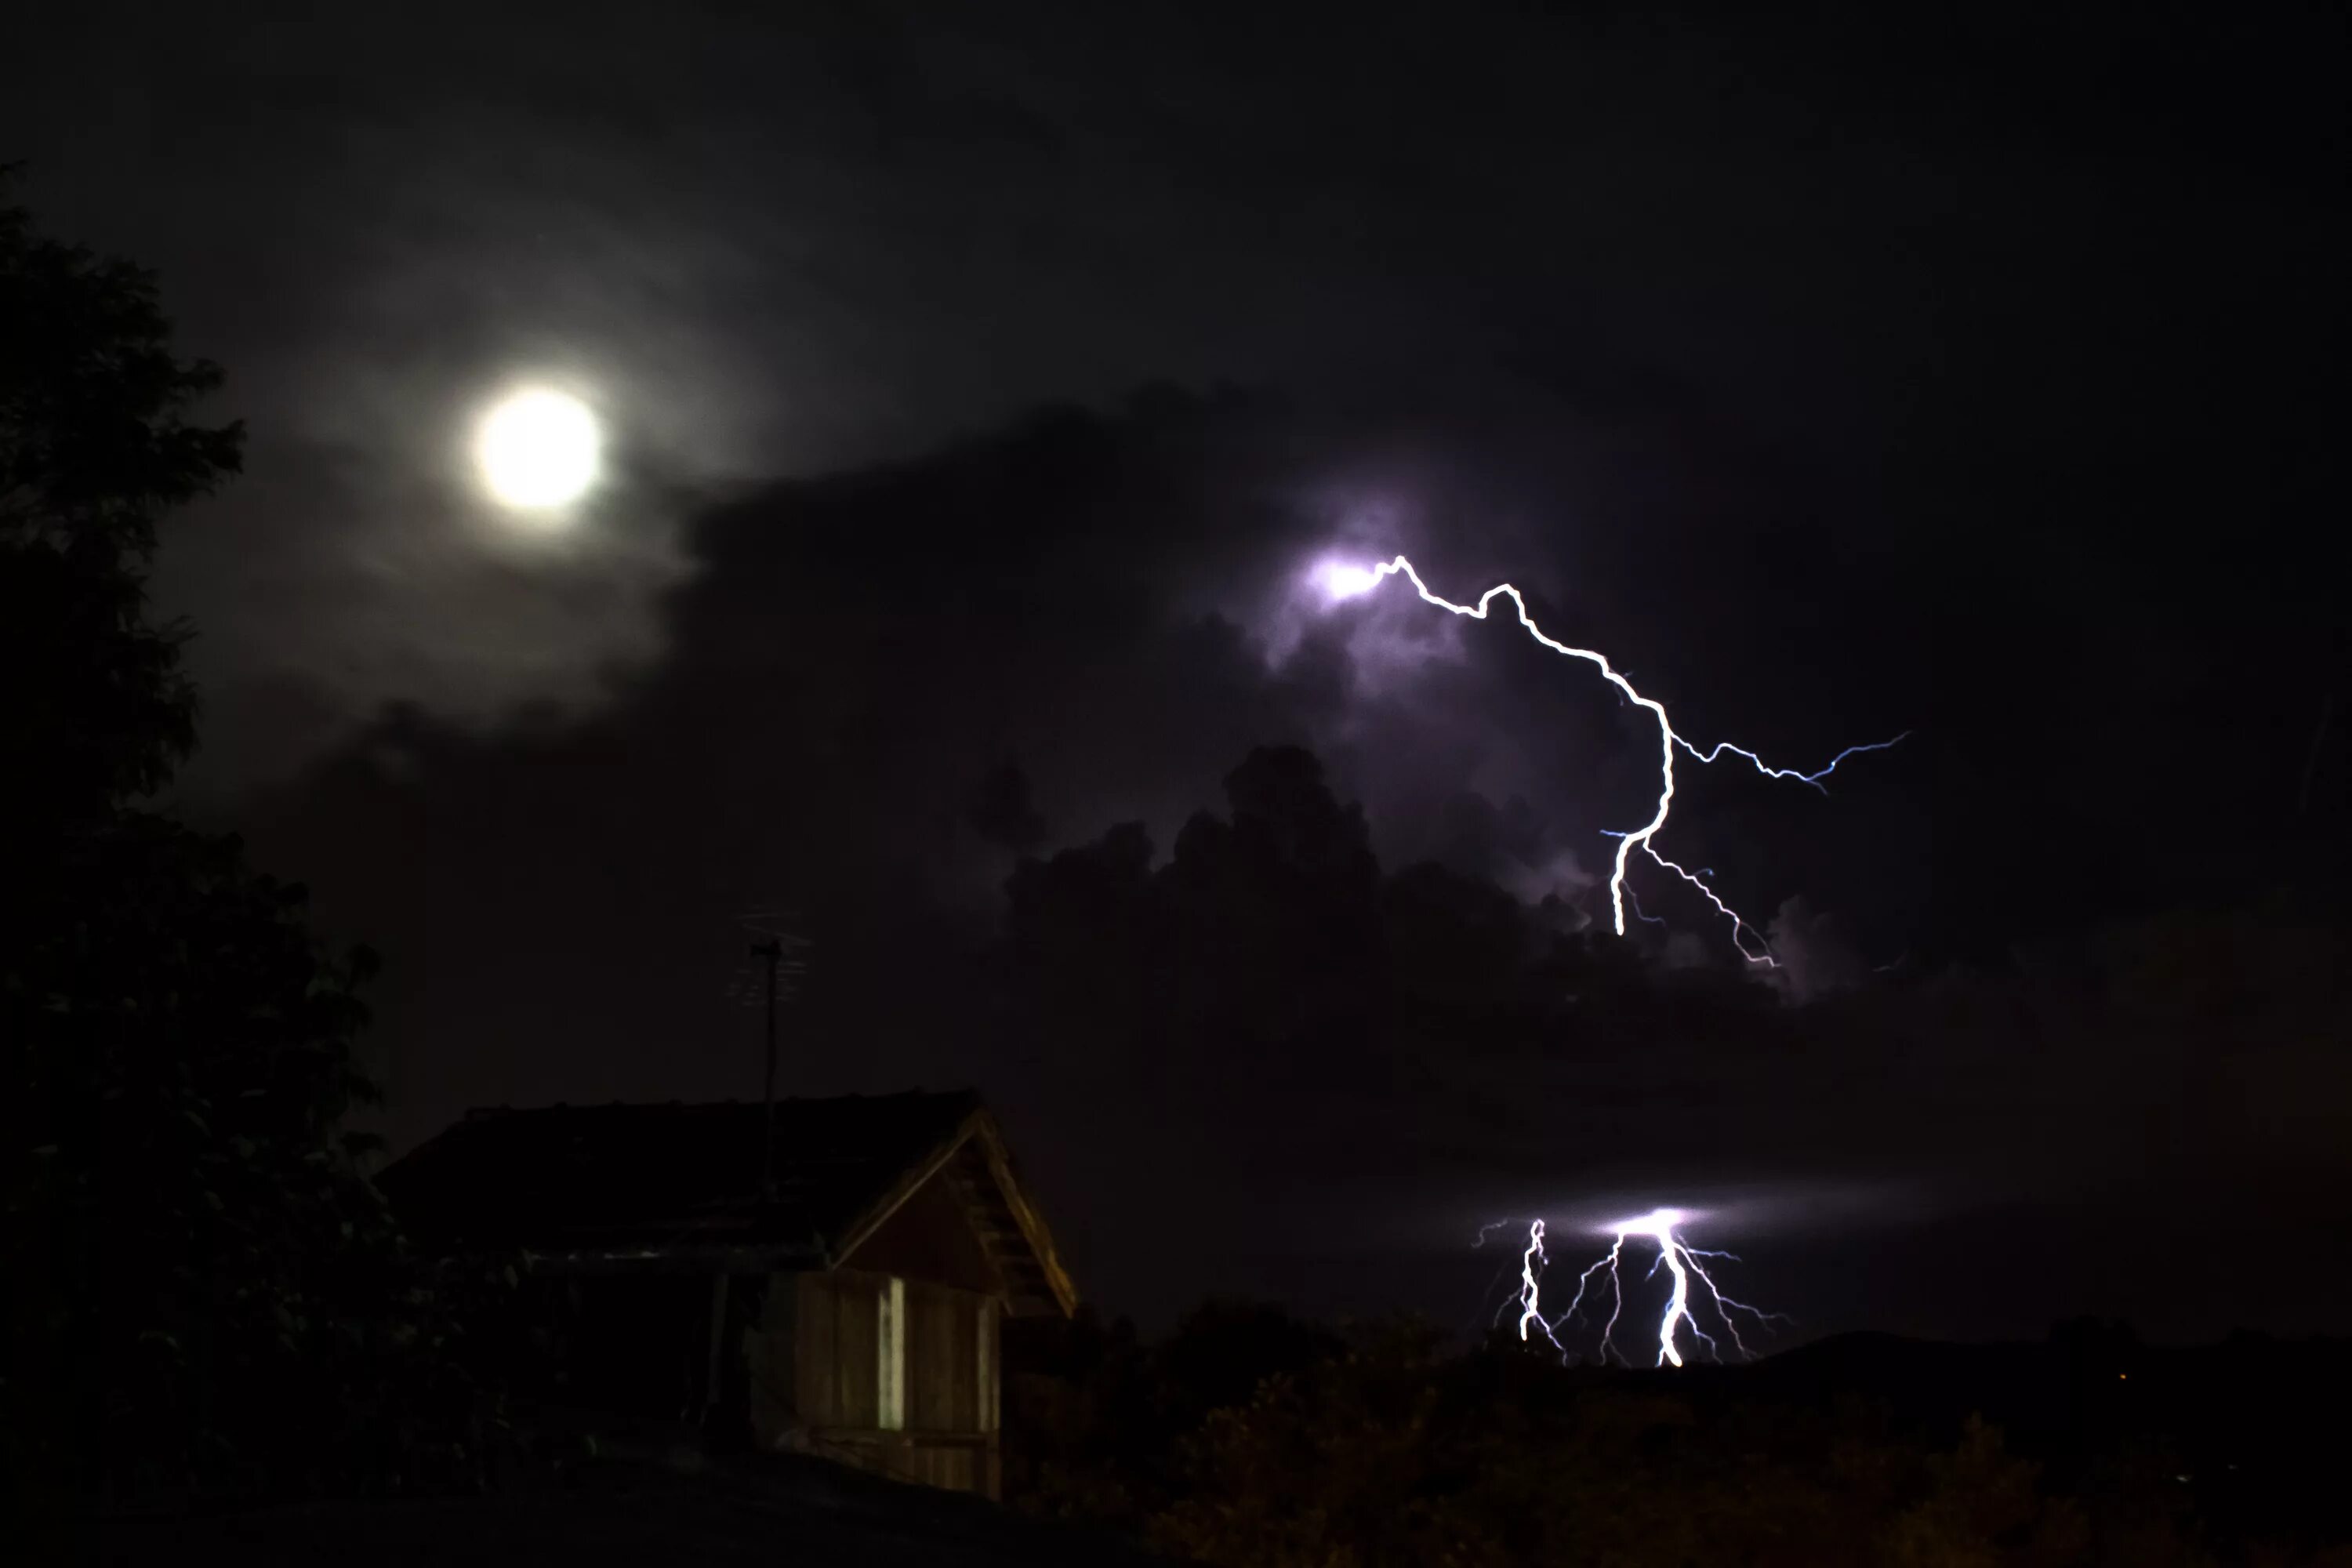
(1531, 1283)
(1346, 582)
(1675, 1255)
(1660, 1226)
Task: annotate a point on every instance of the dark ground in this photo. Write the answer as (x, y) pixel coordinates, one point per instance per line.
(2244, 1427)
(805, 1511)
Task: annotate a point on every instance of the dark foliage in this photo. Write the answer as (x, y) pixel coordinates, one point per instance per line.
(94, 445)
(204, 1294)
(1096, 1418)
(1376, 1445)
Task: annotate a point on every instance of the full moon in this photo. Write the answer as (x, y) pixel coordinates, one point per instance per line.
(537, 450)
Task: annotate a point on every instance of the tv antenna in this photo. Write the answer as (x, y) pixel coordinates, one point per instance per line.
(778, 945)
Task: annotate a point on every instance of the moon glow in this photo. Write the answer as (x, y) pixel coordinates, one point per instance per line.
(537, 450)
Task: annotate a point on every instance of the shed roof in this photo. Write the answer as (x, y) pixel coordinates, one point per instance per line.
(666, 1183)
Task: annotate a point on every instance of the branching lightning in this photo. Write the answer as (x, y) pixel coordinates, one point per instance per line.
(1695, 1299)
(1675, 1255)
(1348, 582)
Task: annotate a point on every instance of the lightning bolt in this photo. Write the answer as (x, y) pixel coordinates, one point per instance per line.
(1350, 582)
(1681, 1262)
(1530, 1285)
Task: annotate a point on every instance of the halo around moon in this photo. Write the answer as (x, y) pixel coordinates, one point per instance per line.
(537, 450)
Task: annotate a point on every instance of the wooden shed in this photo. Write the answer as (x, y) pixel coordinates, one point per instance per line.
(842, 1295)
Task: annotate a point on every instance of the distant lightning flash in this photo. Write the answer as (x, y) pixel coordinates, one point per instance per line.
(1347, 582)
(1678, 1256)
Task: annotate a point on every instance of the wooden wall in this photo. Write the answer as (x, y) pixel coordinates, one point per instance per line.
(930, 1237)
(828, 1327)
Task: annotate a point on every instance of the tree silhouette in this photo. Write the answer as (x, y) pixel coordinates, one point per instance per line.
(204, 1292)
(94, 447)
(1244, 1438)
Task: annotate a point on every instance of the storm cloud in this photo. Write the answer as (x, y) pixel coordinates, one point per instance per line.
(984, 392)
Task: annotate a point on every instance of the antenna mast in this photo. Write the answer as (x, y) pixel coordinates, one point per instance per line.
(779, 950)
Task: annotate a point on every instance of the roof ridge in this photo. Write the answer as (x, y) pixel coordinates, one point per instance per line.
(488, 1112)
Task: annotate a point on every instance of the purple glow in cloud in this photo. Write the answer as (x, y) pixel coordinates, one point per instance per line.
(1343, 580)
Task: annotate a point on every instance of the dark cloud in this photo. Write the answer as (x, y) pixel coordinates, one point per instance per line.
(1972, 375)
(1440, 1084)
(787, 246)
(852, 661)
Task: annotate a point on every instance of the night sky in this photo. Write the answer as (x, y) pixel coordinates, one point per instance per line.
(983, 388)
